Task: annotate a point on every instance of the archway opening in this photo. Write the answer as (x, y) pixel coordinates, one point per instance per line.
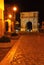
(29, 26)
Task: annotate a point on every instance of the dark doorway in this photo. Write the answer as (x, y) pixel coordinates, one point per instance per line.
(29, 26)
(6, 26)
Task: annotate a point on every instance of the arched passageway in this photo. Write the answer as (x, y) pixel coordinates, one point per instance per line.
(29, 26)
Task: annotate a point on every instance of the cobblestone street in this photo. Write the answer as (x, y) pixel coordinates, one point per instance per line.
(30, 51)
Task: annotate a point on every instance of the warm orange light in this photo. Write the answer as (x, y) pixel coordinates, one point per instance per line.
(14, 8)
(2, 4)
(10, 16)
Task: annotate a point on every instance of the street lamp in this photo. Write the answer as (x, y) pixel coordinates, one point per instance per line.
(15, 9)
(14, 16)
(14, 13)
(10, 16)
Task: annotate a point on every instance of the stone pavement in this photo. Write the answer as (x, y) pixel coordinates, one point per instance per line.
(30, 51)
(5, 47)
(3, 52)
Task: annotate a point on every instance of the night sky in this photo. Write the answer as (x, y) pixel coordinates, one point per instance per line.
(29, 5)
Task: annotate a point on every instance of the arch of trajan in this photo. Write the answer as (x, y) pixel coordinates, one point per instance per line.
(29, 16)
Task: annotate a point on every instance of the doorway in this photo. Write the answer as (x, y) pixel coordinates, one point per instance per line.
(6, 26)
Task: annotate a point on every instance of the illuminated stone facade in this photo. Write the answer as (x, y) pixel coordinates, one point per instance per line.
(1, 17)
(29, 16)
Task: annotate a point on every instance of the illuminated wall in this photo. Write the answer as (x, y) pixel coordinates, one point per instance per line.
(1, 17)
(29, 16)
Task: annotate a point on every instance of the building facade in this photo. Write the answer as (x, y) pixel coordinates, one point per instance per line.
(1, 17)
(30, 18)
